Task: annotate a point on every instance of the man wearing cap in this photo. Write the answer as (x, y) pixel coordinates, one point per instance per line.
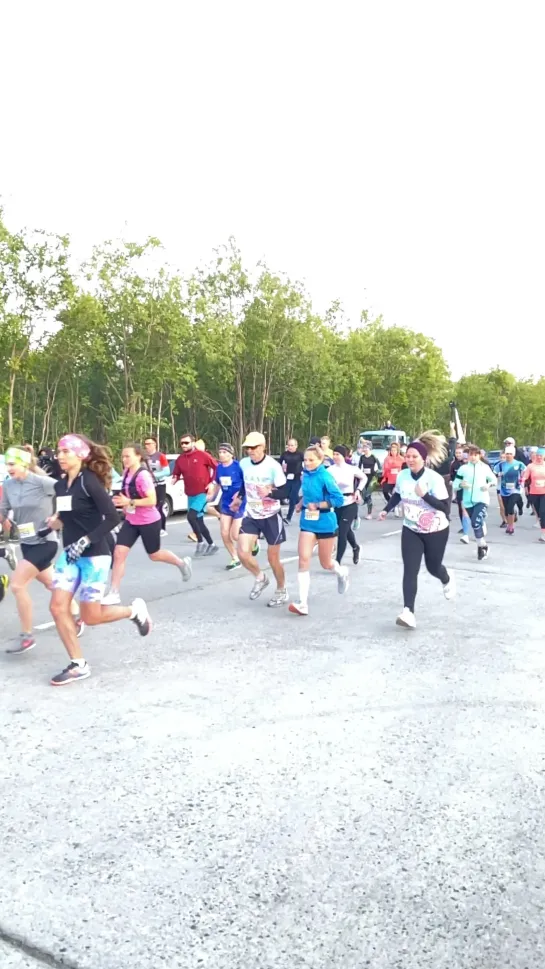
(265, 486)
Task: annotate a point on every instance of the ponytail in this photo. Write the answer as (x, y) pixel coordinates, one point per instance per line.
(436, 446)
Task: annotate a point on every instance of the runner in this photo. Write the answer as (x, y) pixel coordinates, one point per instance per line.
(292, 465)
(160, 469)
(138, 500)
(519, 453)
(230, 482)
(370, 467)
(425, 527)
(475, 479)
(265, 486)
(318, 523)
(496, 470)
(345, 476)
(534, 476)
(325, 444)
(86, 514)
(461, 458)
(393, 463)
(29, 497)
(510, 472)
(198, 470)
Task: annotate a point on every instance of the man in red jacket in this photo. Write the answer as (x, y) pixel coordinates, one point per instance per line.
(198, 470)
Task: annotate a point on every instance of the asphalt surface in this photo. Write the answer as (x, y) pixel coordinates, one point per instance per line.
(247, 789)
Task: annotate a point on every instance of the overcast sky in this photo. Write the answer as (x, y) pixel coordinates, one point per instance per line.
(388, 154)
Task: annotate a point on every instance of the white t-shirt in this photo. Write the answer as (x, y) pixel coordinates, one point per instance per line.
(418, 515)
(265, 472)
(344, 475)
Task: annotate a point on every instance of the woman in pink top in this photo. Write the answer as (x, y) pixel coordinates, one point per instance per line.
(142, 520)
(535, 477)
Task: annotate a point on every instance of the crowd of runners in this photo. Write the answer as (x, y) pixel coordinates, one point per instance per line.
(64, 497)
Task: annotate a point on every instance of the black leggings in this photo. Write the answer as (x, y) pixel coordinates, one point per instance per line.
(161, 493)
(345, 518)
(387, 491)
(414, 545)
(538, 502)
(198, 526)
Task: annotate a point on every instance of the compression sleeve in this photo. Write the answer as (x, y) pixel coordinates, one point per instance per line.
(393, 502)
(104, 505)
(440, 504)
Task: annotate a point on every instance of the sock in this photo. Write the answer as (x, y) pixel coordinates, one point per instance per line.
(466, 524)
(80, 662)
(481, 541)
(260, 577)
(133, 611)
(303, 581)
(337, 568)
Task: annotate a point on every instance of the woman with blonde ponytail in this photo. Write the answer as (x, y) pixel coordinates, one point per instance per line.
(423, 494)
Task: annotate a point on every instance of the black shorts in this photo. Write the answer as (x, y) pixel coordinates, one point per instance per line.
(271, 529)
(321, 536)
(40, 556)
(150, 535)
(510, 502)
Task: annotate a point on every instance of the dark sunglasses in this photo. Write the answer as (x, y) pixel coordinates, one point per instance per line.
(185, 442)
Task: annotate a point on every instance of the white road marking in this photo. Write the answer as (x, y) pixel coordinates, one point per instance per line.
(397, 532)
(45, 625)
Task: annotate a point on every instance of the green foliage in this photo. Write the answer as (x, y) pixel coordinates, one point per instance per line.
(122, 347)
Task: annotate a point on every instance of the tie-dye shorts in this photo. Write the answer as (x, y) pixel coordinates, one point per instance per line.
(88, 576)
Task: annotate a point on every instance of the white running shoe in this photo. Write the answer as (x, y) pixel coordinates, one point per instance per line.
(164, 534)
(465, 539)
(186, 568)
(141, 617)
(201, 548)
(449, 590)
(342, 580)
(211, 549)
(11, 557)
(298, 608)
(258, 587)
(279, 598)
(112, 599)
(406, 619)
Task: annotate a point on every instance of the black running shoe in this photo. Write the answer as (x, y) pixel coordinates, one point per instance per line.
(482, 552)
(356, 554)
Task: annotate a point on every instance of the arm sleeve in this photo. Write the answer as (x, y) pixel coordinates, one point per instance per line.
(163, 471)
(104, 505)
(393, 502)
(439, 500)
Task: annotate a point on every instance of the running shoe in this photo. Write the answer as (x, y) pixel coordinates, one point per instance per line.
(211, 549)
(279, 598)
(298, 608)
(25, 644)
(342, 580)
(258, 587)
(186, 568)
(503, 525)
(449, 590)
(233, 564)
(257, 548)
(112, 599)
(356, 524)
(460, 531)
(542, 538)
(482, 552)
(406, 619)
(368, 518)
(510, 530)
(11, 557)
(465, 539)
(80, 627)
(141, 617)
(201, 548)
(71, 674)
(356, 554)
(164, 533)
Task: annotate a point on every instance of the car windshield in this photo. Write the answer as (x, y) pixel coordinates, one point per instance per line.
(379, 441)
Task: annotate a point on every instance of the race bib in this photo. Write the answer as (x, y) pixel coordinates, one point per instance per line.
(64, 503)
(540, 483)
(311, 516)
(291, 477)
(226, 482)
(27, 530)
(509, 485)
(394, 472)
(256, 504)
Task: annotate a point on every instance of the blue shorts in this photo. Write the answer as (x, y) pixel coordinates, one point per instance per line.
(197, 503)
(88, 575)
(225, 510)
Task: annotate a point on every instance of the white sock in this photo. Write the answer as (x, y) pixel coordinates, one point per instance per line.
(481, 541)
(133, 611)
(336, 568)
(303, 581)
(79, 662)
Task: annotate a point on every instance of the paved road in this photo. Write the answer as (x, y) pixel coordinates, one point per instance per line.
(251, 790)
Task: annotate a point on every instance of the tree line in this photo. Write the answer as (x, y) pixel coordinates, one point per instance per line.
(122, 346)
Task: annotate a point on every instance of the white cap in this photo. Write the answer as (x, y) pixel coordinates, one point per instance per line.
(509, 440)
(510, 449)
(254, 439)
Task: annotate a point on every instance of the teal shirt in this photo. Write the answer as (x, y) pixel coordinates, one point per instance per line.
(477, 476)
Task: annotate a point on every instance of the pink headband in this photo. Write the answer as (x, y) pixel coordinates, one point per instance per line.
(72, 442)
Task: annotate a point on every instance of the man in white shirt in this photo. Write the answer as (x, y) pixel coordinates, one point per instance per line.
(265, 486)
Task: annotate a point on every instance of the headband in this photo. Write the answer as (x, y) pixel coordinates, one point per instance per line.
(421, 448)
(227, 447)
(75, 443)
(17, 455)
